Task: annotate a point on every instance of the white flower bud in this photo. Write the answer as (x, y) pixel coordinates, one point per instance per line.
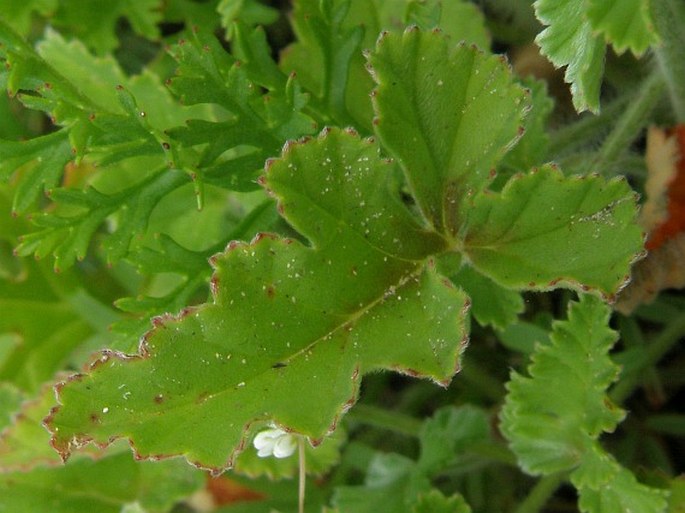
(274, 442)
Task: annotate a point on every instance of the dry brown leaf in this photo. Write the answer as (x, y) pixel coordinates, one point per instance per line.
(663, 217)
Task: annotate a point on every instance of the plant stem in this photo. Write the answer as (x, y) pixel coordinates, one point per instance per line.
(587, 129)
(669, 19)
(303, 475)
(386, 419)
(478, 378)
(629, 125)
(541, 492)
(662, 344)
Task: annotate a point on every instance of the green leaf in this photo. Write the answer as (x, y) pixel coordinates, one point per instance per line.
(450, 433)
(249, 12)
(436, 502)
(491, 304)
(19, 14)
(459, 19)
(532, 149)
(41, 161)
(677, 498)
(389, 486)
(606, 487)
(99, 31)
(287, 321)
(327, 57)
(248, 127)
(544, 229)
(10, 400)
(105, 485)
(523, 337)
(626, 24)
(553, 417)
(570, 40)
(448, 113)
(25, 444)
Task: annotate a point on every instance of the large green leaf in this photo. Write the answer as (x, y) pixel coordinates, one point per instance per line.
(448, 112)
(288, 321)
(570, 40)
(544, 229)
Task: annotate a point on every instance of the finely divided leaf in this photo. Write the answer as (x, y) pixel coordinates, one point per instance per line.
(544, 229)
(448, 112)
(291, 327)
(626, 24)
(570, 40)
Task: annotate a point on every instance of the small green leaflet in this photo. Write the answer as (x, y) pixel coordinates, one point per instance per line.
(554, 418)
(398, 484)
(436, 502)
(626, 24)
(604, 486)
(288, 321)
(99, 32)
(569, 40)
(575, 37)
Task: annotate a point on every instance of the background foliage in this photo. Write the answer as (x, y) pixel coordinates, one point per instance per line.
(220, 216)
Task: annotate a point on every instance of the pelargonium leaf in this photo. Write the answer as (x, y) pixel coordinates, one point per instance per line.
(288, 321)
(604, 486)
(492, 304)
(105, 485)
(545, 229)
(435, 502)
(626, 24)
(99, 32)
(570, 40)
(448, 112)
(554, 416)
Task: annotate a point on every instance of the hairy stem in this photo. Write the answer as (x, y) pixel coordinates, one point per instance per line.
(629, 125)
(661, 345)
(540, 493)
(669, 19)
(303, 475)
(385, 419)
(587, 129)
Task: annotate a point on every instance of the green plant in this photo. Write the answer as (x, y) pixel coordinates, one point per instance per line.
(397, 185)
